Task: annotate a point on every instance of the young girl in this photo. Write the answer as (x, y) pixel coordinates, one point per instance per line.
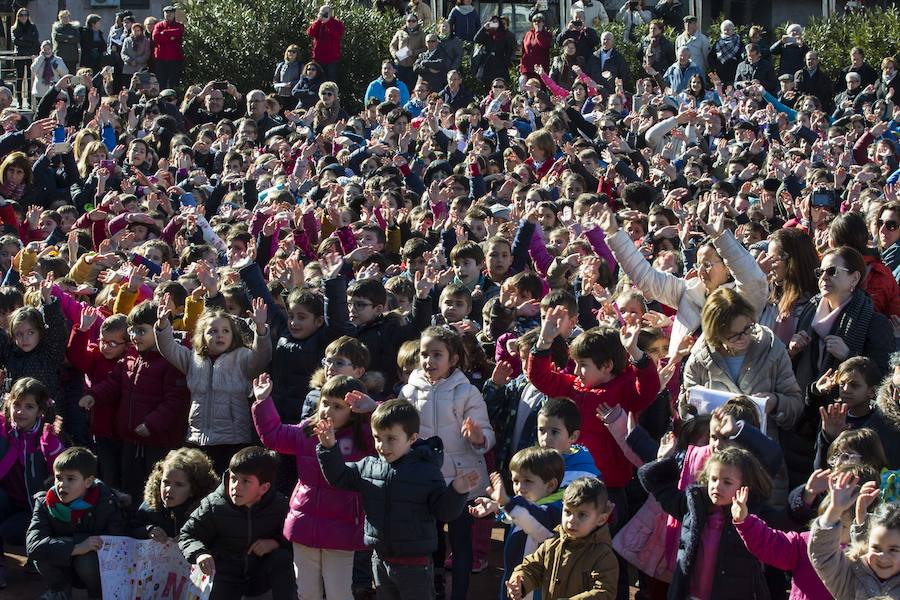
(174, 489)
(325, 524)
(30, 445)
(453, 409)
(219, 370)
(873, 571)
(788, 550)
(712, 561)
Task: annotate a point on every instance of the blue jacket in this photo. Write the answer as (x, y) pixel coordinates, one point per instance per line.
(579, 463)
(678, 78)
(464, 25)
(377, 89)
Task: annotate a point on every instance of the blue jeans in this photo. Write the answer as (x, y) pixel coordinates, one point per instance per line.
(402, 582)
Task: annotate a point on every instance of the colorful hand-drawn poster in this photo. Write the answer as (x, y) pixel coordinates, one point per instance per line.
(148, 570)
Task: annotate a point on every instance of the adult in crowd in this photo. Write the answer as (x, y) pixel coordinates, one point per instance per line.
(209, 105)
(792, 50)
(593, 13)
(422, 10)
(565, 67)
(633, 15)
(306, 90)
(755, 36)
(454, 95)
(888, 80)
(584, 36)
(887, 235)
(327, 34)
(610, 64)
(168, 51)
(536, 47)
(845, 101)
(136, 51)
(257, 112)
(811, 79)
(498, 47)
(66, 40)
(727, 52)
(790, 261)
(27, 43)
(406, 46)
(118, 31)
(678, 76)
(867, 74)
(432, 65)
(47, 69)
(93, 43)
(287, 75)
(378, 87)
(452, 45)
(696, 42)
(754, 69)
(464, 20)
(655, 49)
(670, 12)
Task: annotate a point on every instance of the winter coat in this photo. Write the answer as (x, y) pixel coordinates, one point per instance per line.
(503, 404)
(402, 499)
(411, 39)
(26, 39)
(220, 528)
(220, 410)
(51, 541)
(786, 551)
(845, 578)
(384, 336)
(443, 406)
(66, 43)
(498, 50)
(882, 287)
(689, 295)
(572, 568)
(793, 57)
(167, 40)
(84, 355)
(307, 90)
(44, 362)
(135, 54)
(34, 450)
(92, 50)
(453, 48)
(739, 575)
(535, 51)
(634, 389)
(761, 70)
(766, 371)
(286, 76)
(320, 516)
(433, 59)
(326, 40)
(169, 520)
(464, 22)
(145, 388)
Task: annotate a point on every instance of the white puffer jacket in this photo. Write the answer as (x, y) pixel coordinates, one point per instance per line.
(443, 407)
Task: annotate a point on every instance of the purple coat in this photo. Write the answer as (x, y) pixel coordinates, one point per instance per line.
(320, 516)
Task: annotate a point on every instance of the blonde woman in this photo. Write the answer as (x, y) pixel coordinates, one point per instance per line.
(327, 110)
(287, 74)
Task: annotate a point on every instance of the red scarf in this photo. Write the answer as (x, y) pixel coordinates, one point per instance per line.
(73, 511)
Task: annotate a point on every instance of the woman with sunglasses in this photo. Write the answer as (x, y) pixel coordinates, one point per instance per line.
(406, 46)
(287, 75)
(327, 110)
(887, 235)
(839, 322)
(306, 90)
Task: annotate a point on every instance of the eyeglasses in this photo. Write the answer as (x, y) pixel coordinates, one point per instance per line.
(336, 362)
(326, 94)
(744, 332)
(889, 225)
(707, 265)
(844, 457)
(608, 128)
(358, 305)
(830, 271)
(111, 343)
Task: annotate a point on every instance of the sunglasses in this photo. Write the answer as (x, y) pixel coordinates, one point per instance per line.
(889, 225)
(608, 128)
(830, 271)
(327, 94)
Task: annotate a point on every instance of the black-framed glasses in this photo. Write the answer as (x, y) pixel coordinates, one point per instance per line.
(830, 271)
(744, 332)
(889, 225)
(359, 305)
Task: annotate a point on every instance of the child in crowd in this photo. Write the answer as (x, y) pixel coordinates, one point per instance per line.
(558, 427)
(467, 260)
(404, 494)
(323, 523)
(533, 512)
(344, 356)
(579, 560)
(218, 369)
(234, 536)
(454, 410)
(150, 399)
(68, 523)
(29, 443)
(175, 487)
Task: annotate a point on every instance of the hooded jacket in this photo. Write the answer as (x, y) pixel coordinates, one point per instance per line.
(33, 451)
(403, 499)
(464, 21)
(443, 407)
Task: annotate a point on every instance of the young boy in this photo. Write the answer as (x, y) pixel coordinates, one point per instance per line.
(580, 558)
(536, 508)
(344, 356)
(558, 427)
(68, 522)
(403, 493)
(455, 305)
(151, 399)
(467, 260)
(235, 537)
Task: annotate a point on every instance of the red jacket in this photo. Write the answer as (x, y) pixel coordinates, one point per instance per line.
(326, 40)
(167, 40)
(634, 390)
(535, 51)
(146, 388)
(84, 354)
(882, 287)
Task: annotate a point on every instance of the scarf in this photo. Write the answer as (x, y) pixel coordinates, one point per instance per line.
(851, 325)
(324, 115)
(73, 511)
(47, 73)
(11, 191)
(728, 48)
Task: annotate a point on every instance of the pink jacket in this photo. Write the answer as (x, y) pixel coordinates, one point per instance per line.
(34, 450)
(785, 550)
(320, 516)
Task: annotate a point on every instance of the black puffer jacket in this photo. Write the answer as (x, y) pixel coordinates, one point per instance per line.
(739, 575)
(402, 499)
(226, 531)
(51, 540)
(169, 520)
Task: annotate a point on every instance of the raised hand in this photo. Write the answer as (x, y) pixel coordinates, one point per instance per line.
(483, 507)
(834, 419)
(262, 387)
(472, 432)
(465, 481)
(136, 277)
(502, 373)
(163, 312)
(826, 382)
(843, 489)
(325, 430)
(816, 485)
(497, 491)
(868, 494)
(360, 402)
(259, 315)
(425, 282)
(628, 334)
(89, 316)
(739, 505)
(550, 325)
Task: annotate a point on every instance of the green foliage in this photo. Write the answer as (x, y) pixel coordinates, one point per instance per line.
(243, 40)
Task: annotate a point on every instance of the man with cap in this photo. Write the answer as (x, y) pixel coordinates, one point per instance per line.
(813, 80)
(754, 68)
(168, 37)
(432, 65)
(695, 41)
(787, 94)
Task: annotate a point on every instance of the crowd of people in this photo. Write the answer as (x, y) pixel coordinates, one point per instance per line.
(648, 326)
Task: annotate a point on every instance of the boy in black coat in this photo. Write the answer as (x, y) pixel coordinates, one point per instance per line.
(67, 523)
(403, 493)
(235, 537)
